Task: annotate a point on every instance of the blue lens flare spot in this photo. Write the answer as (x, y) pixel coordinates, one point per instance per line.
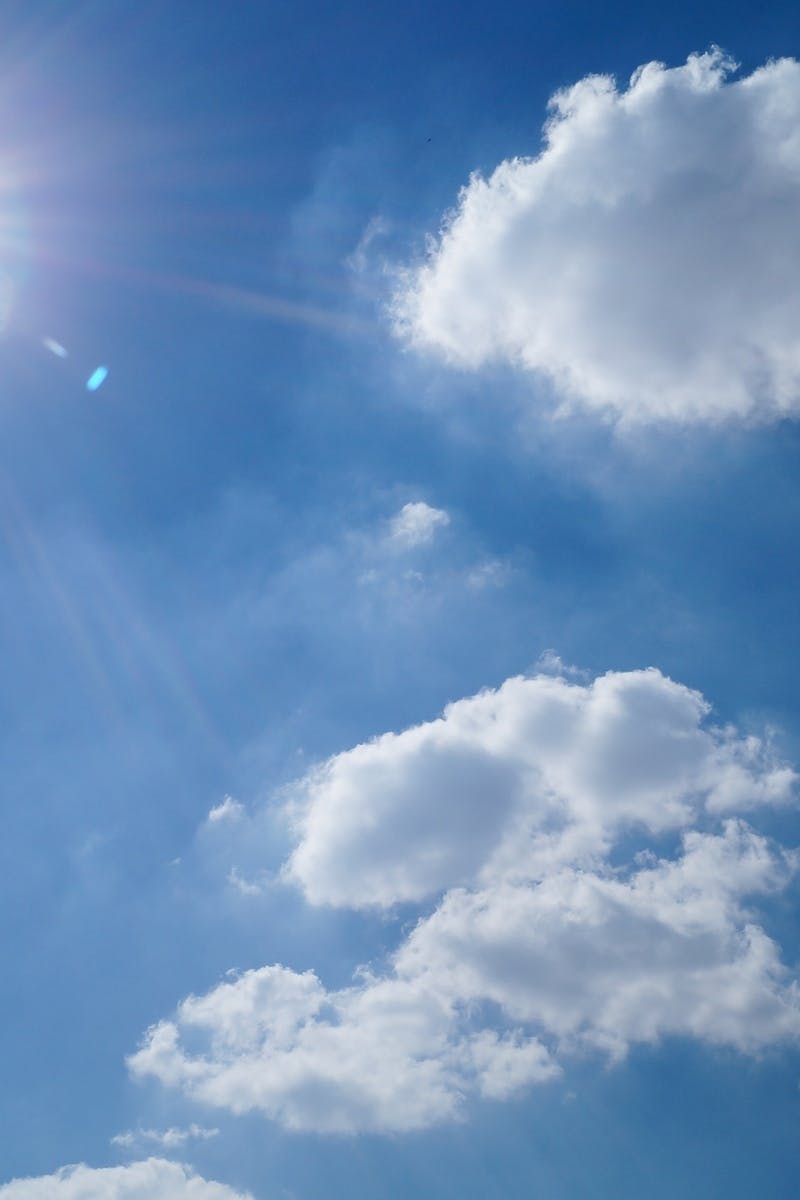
(96, 378)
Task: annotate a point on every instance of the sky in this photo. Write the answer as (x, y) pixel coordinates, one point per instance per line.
(399, 428)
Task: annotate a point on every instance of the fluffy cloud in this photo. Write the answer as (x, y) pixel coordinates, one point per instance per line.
(604, 960)
(538, 767)
(588, 886)
(645, 261)
(387, 1054)
(153, 1179)
(417, 523)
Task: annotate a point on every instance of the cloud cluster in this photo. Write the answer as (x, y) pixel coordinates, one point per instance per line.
(152, 1179)
(587, 879)
(645, 261)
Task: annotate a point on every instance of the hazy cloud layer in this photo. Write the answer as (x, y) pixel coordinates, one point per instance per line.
(589, 883)
(153, 1179)
(645, 261)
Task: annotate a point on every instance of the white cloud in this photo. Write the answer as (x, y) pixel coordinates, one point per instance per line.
(168, 1139)
(606, 960)
(437, 806)
(153, 1179)
(645, 261)
(228, 810)
(539, 822)
(384, 1055)
(417, 523)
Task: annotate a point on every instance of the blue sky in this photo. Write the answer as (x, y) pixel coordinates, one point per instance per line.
(399, 416)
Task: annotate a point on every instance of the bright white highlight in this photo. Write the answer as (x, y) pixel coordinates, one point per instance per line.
(646, 261)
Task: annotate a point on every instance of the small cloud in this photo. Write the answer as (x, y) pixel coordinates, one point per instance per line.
(489, 574)
(416, 524)
(167, 1139)
(248, 887)
(228, 810)
(550, 663)
(127, 1139)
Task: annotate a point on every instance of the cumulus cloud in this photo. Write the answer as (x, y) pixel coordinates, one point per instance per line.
(153, 1179)
(606, 961)
(527, 771)
(386, 1054)
(645, 261)
(416, 524)
(587, 883)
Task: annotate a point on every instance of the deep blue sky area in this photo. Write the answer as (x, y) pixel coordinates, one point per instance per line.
(196, 599)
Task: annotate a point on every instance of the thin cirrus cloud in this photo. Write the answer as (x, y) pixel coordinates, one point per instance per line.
(645, 261)
(536, 826)
(152, 1179)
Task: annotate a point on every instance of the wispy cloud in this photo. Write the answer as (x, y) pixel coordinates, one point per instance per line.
(166, 1139)
(248, 887)
(228, 810)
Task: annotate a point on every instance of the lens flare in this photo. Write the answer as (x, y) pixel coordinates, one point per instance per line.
(97, 377)
(54, 347)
